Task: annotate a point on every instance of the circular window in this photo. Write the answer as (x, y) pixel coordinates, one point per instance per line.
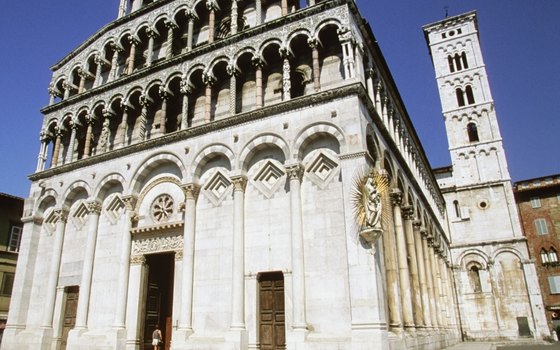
(162, 208)
(451, 33)
(483, 205)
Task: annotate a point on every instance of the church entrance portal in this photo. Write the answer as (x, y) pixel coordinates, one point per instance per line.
(159, 298)
(70, 310)
(271, 311)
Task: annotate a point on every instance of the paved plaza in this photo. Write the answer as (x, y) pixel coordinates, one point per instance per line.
(501, 346)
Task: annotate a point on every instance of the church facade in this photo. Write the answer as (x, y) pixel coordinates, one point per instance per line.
(244, 175)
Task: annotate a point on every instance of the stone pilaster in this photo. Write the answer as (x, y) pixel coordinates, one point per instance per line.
(238, 263)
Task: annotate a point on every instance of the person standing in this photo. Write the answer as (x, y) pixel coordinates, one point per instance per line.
(156, 338)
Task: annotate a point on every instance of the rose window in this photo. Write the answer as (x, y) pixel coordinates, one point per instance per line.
(162, 208)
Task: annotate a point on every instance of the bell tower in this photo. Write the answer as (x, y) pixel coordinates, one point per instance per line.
(479, 177)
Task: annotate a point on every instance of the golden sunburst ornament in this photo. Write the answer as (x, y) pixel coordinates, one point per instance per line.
(370, 200)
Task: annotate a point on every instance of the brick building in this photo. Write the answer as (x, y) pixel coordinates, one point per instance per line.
(538, 201)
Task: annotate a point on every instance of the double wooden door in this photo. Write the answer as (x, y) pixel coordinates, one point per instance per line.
(70, 310)
(271, 311)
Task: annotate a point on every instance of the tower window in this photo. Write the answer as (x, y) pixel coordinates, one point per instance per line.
(470, 95)
(457, 209)
(460, 97)
(472, 131)
(474, 278)
(541, 226)
(535, 202)
(553, 256)
(544, 257)
(457, 62)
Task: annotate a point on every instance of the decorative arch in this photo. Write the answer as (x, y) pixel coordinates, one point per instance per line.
(243, 51)
(50, 195)
(300, 31)
(215, 61)
(73, 190)
(314, 131)
(258, 142)
(327, 22)
(203, 156)
(266, 43)
(193, 69)
(511, 250)
(150, 164)
(481, 256)
(105, 183)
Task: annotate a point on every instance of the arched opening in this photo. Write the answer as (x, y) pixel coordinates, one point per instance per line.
(272, 74)
(470, 95)
(474, 278)
(472, 132)
(302, 72)
(460, 97)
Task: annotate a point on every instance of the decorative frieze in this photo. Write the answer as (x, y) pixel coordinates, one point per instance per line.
(156, 245)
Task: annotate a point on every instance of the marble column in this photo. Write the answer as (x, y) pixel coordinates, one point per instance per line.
(94, 209)
(209, 81)
(211, 20)
(70, 152)
(145, 102)
(122, 8)
(258, 63)
(437, 283)
(124, 125)
(233, 72)
(190, 30)
(426, 321)
(238, 263)
(171, 27)
(295, 174)
(286, 72)
(370, 75)
(114, 61)
(163, 115)
(234, 17)
(314, 45)
(83, 77)
(152, 35)
(393, 292)
(417, 312)
(404, 274)
(89, 135)
(444, 291)
(124, 263)
(52, 95)
(68, 87)
(56, 255)
(189, 232)
(258, 12)
(99, 63)
(56, 150)
(132, 57)
(42, 158)
(186, 90)
(429, 274)
(284, 5)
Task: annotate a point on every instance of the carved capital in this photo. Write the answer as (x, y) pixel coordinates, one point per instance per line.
(371, 73)
(163, 93)
(416, 225)
(133, 41)
(313, 43)
(408, 212)
(232, 70)
(239, 183)
(129, 202)
(61, 215)
(94, 207)
(208, 79)
(137, 260)
(178, 255)
(191, 191)
(396, 197)
(53, 91)
(145, 101)
(99, 60)
(284, 52)
(257, 62)
(186, 88)
(152, 33)
(170, 25)
(424, 233)
(294, 171)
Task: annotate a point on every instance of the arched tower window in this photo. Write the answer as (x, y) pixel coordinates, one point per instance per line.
(451, 64)
(470, 95)
(458, 64)
(474, 278)
(544, 257)
(460, 97)
(464, 60)
(553, 256)
(472, 131)
(457, 208)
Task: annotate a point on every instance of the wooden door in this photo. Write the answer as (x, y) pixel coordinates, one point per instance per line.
(70, 309)
(271, 311)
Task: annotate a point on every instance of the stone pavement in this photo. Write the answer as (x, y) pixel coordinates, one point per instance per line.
(503, 346)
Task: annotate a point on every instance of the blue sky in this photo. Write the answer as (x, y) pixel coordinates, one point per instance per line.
(520, 43)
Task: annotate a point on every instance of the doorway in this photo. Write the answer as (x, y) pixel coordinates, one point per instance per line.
(70, 310)
(272, 326)
(159, 298)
